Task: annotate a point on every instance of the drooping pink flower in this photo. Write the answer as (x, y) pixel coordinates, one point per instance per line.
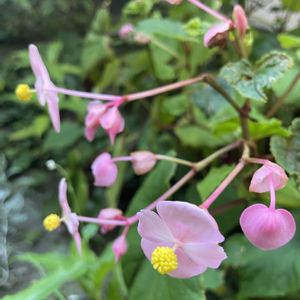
(181, 240)
(112, 122)
(119, 246)
(126, 30)
(260, 182)
(240, 20)
(104, 170)
(68, 217)
(109, 214)
(143, 161)
(267, 227)
(217, 35)
(44, 87)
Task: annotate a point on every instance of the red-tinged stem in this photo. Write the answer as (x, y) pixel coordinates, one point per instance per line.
(209, 10)
(102, 221)
(210, 200)
(95, 96)
(254, 160)
(122, 158)
(272, 193)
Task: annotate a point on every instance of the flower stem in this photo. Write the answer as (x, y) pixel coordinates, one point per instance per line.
(102, 221)
(174, 159)
(122, 158)
(210, 200)
(209, 10)
(88, 95)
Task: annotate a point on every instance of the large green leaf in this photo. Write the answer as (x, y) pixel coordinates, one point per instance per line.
(288, 41)
(286, 150)
(149, 285)
(251, 81)
(264, 273)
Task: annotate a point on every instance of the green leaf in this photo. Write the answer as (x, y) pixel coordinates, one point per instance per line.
(156, 183)
(286, 150)
(291, 5)
(265, 128)
(44, 287)
(214, 177)
(69, 134)
(251, 81)
(288, 41)
(164, 287)
(264, 273)
(213, 279)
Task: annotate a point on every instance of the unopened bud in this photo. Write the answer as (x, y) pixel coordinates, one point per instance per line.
(143, 161)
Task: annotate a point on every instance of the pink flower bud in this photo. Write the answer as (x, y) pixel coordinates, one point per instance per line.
(217, 35)
(141, 38)
(109, 214)
(142, 161)
(112, 122)
(175, 2)
(260, 180)
(104, 170)
(119, 247)
(267, 228)
(126, 30)
(240, 20)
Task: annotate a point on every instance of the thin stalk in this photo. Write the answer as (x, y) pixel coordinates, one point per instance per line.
(175, 160)
(122, 158)
(211, 199)
(209, 10)
(102, 221)
(254, 160)
(244, 121)
(280, 101)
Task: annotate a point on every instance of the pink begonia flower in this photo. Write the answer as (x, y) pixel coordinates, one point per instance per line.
(143, 161)
(217, 34)
(120, 247)
(260, 179)
(126, 30)
(104, 170)
(240, 20)
(44, 86)
(267, 227)
(109, 214)
(68, 217)
(181, 240)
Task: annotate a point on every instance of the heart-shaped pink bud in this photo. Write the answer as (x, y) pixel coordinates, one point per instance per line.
(119, 247)
(260, 182)
(142, 161)
(109, 214)
(240, 20)
(267, 228)
(104, 170)
(126, 30)
(112, 122)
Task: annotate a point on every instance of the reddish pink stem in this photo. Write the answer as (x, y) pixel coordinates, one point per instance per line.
(209, 10)
(163, 89)
(102, 221)
(210, 200)
(122, 158)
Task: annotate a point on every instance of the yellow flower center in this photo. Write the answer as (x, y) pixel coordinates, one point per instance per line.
(164, 260)
(23, 92)
(51, 222)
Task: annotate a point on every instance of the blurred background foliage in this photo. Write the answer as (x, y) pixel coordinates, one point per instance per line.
(80, 45)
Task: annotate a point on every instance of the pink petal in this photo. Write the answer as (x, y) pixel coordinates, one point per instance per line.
(267, 228)
(240, 20)
(260, 179)
(143, 161)
(186, 267)
(153, 228)
(206, 254)
(104, 170)
(109, 214)
(218, 31)
(119, 247)
(90, 133)
(53, 108)
(77, 239)
(38, 67)
(189, 223)
(62, 196)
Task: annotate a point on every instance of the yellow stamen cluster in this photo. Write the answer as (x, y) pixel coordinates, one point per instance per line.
(51, 222)
(164, 260)
(23, 92)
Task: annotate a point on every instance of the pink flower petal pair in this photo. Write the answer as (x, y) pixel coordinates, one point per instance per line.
(190, 230)
(260, 180)
(267, 228)
(101, 115)
(143, 161)
(109, 214)
(68, 217)
(104, 170)
(44, 87)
